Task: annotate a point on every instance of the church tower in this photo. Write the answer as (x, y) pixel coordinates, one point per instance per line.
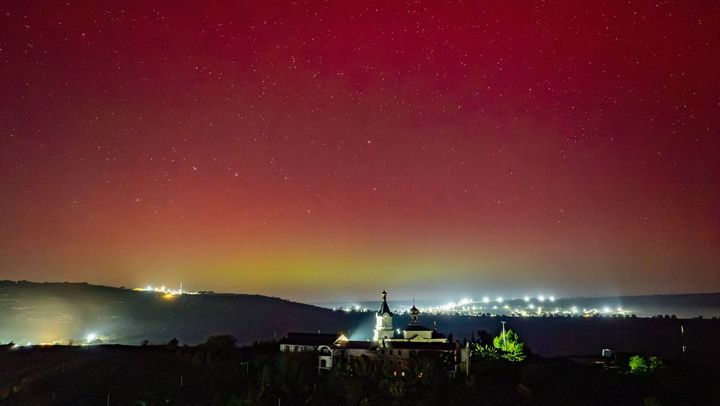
(383, 321)
(414, 314)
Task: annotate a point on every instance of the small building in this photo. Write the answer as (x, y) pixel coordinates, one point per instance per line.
(308, 342)
(323, 344)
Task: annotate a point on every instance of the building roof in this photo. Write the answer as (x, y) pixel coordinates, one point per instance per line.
(416, 327)
(314, 339)
(384, 308)
(413, 345)
(358, 345)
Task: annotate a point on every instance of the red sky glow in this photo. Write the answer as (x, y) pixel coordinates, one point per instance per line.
(316, 150)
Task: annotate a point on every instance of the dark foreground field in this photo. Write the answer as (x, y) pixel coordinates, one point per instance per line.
(218, 373)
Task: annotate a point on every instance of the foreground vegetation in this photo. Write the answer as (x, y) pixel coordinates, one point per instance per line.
(218, 373)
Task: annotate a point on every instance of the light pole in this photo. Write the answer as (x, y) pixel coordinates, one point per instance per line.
(503, 336)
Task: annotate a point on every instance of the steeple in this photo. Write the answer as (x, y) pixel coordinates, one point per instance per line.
(384, 308)
(383, 321)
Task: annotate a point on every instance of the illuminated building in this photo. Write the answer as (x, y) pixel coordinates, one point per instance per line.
(390, 347)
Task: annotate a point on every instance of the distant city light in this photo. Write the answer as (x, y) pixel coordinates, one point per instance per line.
(165, 291)
(498, 305)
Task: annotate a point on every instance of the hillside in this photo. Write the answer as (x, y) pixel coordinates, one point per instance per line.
(48, 312)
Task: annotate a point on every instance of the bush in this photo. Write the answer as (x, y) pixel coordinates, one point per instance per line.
(479, 351)
(509, 348)
(641, 365)
(512, 348)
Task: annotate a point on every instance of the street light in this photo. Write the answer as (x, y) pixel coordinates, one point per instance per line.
(503, 336)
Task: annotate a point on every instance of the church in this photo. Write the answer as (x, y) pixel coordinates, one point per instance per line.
(391, 346)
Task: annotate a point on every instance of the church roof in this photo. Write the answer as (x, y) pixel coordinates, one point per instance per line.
(435, 334)
(416, 327)
(314, 339)
(384, 308)
(414, 345)
(358, 345)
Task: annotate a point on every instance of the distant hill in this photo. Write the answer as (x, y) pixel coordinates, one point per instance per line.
(684, 305)
(47, 312)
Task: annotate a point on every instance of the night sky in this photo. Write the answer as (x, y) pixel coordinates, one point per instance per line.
(324, 150)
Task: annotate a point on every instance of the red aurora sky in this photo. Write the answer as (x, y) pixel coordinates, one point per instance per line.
(318, 150)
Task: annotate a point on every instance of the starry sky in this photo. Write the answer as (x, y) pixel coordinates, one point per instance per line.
(328, 149)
